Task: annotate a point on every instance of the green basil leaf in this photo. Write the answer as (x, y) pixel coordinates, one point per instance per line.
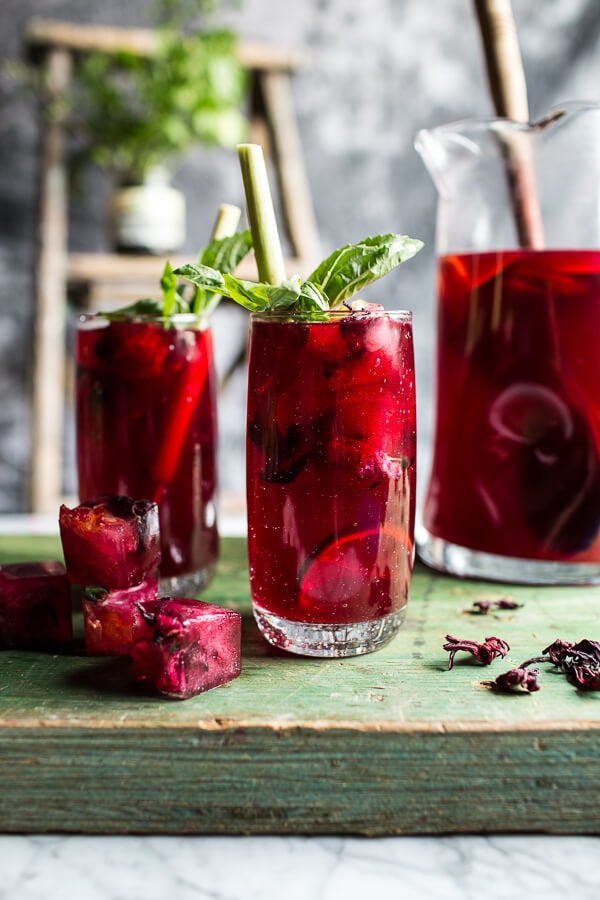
(203, 276)
(247, 293)
(312, 298)
(147, 306)
(225, 254)
(283, 296)
(354, 266)
(168, 283)
(204, 302)
(181, 307)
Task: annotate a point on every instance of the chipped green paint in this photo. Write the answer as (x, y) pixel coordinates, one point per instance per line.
(386, 743)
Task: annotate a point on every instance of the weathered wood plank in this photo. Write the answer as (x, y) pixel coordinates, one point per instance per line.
(117, 267)
(294, 187)
(78, 38)
(389, 743)
(256, 781)
(49, 322)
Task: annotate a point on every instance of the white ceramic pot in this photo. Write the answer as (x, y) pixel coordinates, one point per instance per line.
(149, 217)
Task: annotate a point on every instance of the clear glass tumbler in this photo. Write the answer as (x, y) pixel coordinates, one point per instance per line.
(331, 478)
(147, 428)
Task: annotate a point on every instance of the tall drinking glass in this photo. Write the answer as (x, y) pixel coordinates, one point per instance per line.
(331, 478)
(146, 427)
(515, 485)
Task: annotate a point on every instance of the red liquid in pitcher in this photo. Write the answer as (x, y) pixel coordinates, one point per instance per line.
(146, 427)
(516, 465)
(331, 467)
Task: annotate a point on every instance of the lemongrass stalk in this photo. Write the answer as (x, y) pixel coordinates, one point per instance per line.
(228, 219)
(261, 215)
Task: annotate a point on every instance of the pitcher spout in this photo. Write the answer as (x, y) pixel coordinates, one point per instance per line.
(501, 183)
(441, 149)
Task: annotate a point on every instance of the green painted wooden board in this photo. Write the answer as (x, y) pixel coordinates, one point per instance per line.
(389, 743)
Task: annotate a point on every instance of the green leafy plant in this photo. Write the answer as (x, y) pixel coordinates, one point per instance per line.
(131, 112)
(128, 112)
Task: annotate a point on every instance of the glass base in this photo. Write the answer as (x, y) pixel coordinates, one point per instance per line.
(188, 584)
(312, 639)
(457, 560)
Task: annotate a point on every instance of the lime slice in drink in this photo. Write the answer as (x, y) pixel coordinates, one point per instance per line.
(355, 575)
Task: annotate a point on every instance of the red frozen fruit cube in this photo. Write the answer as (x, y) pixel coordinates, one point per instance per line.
(112, 620)
(194, 646)
(111, 541)
(35, 605)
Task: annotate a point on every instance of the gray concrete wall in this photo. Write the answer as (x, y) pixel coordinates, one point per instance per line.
(379, 71)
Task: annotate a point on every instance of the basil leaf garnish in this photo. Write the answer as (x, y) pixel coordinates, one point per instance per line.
(351, 268)
(225, 254)
(332, 283)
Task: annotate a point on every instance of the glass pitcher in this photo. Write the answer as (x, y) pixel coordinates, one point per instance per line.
(514, 492)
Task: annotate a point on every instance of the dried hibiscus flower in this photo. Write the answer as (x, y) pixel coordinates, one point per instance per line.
(483, 607)
(514, 678)
(581, 665)
(580, 662)
(484, 652)
(558, 651)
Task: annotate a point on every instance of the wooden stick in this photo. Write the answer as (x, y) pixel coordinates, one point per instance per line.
(296, 206)
(508, 88)
(506, 77)
(50, 317)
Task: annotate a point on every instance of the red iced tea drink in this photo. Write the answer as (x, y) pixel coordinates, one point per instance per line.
(331, 478)
(516, 467)
(146, 427)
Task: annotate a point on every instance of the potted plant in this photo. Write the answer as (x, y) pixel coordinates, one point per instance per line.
(134, 115)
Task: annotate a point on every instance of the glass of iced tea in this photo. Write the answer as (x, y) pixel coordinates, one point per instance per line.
(514, 492)
(331, 477)
(146, 427)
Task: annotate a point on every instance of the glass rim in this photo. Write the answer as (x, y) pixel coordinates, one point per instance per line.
(478, 124)
(321, 317)
(143, 319)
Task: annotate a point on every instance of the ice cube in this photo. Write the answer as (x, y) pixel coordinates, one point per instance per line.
(110, 541)
(112, 620)
(194, 646)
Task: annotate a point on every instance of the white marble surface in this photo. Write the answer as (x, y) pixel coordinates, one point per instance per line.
(452, 868)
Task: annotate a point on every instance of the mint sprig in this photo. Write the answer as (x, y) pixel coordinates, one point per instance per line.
(333, 282)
